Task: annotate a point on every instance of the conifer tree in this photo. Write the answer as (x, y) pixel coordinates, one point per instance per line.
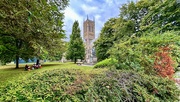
(76, 48)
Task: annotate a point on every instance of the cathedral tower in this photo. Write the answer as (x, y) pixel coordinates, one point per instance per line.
(89, 36)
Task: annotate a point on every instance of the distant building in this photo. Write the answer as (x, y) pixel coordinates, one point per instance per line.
(89, 37)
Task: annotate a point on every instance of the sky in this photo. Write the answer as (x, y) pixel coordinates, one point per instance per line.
(100, 10)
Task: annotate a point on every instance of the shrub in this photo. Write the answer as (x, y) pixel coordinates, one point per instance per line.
(105, 63)
(163, 63)
(54, 85)
(130, 86)
(137, 53)
(75, 86)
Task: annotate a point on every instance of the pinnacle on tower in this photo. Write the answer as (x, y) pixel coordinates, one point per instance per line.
(87, 17)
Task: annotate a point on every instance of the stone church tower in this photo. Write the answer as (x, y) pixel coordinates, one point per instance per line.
(89, 36)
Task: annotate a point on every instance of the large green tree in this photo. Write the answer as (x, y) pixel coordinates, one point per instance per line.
(162, 16)
(148, 15)
(28, 28)
(105, 40)
(144, 19)
(136, 46)
(76, 49)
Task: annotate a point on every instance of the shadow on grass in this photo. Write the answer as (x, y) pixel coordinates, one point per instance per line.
(12, 68)
(44, 65)
(22, 66)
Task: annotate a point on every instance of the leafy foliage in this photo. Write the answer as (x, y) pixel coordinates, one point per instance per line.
(76, 49)
(105, 41)
(74, 85)
(137, 52)
(106, 63)
(163, 63)
(163, 16)
(29, 28)
(137, 34)
(121, 86)
(152, 15)
(54, 85)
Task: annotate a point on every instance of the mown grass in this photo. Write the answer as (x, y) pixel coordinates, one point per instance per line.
(8, 73)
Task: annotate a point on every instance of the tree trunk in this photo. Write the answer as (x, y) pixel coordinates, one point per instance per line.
(18, 46)
(37, 62)
(17, 61)
(75, 60)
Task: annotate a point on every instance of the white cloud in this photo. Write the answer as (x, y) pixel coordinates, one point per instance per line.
(109, 1)
(89, 9)
(89, 0)
(70, 14)
(97, 17)
(70, 17)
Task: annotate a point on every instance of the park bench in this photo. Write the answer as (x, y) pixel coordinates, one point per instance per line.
(79, 63)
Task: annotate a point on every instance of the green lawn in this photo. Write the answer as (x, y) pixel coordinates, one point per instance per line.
(9, 73)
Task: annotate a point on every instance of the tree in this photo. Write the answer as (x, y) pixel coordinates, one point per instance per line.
(148, 15)
(135, 47)
(134, 12)
(115, 29)
(137, 53)
(57, 53)
(28, 28)
(106, 40)
(76, 48)
(124, 29)
(163, 16)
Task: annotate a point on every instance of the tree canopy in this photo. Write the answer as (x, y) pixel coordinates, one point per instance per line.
(141, 30)
(76, 49)
(28, 28)
(105, 40)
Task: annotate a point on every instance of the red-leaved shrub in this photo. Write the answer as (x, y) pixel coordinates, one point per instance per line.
(163, 63)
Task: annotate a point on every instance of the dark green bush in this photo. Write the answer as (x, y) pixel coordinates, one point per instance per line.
(105, 63)
(54, 85)
(139, 53)
(130, 86)
(75, 86)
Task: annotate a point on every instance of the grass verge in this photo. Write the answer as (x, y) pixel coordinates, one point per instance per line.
(8, 73)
